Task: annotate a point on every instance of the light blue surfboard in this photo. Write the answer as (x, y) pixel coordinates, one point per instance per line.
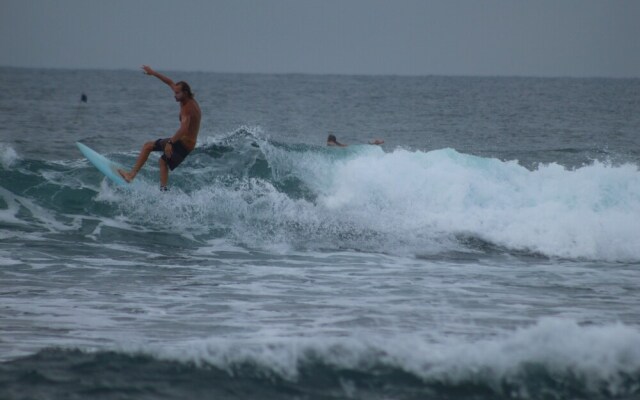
(104, 165)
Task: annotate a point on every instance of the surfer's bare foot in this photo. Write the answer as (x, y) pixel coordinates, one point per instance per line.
(127, 176)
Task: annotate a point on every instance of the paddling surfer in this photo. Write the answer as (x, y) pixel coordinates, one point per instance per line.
(176, 148)
(332, 141)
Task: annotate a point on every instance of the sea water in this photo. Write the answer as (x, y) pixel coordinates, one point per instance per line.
(490, 249)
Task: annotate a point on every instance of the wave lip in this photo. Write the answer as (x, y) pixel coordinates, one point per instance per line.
(255, 192)
(552, 359)
(553, 355)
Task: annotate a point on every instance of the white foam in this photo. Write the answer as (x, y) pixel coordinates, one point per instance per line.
(8, 156)
(601, 356)
(407, 201)
(594, 353)
(42, 217)
(590, 212)
(6, 259)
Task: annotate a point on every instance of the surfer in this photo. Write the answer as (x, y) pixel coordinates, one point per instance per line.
(176, 148)
(333, 141)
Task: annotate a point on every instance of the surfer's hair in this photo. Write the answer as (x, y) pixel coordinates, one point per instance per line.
(332, 138)
(185, 88)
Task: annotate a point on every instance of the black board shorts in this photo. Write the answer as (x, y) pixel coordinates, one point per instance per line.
(179, 152)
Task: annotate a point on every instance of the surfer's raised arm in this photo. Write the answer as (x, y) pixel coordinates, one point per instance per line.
(147, 70)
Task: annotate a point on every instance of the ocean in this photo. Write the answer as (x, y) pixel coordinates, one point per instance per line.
(489, 249)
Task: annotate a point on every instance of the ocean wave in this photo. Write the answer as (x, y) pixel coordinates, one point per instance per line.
(254, 191)
(8, 156)
(552, 359)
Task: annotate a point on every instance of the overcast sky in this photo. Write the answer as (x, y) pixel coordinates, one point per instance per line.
(417, 37)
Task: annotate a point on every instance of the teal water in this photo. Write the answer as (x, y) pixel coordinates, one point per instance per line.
(489, 249)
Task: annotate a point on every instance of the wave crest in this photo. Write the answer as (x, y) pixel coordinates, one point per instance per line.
(552, 359)
(257, 192)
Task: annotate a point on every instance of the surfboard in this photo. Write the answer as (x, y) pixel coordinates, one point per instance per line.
(103, 164)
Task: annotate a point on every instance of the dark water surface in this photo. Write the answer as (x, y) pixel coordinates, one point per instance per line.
(489, 249)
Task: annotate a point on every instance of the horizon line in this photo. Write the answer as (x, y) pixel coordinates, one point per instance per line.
(399, 75)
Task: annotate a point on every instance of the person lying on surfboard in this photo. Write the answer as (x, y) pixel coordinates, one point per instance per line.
(176, 148)
(333, 141)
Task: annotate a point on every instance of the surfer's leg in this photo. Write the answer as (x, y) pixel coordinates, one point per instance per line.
(164, 173)
(147, 148)
(170, 163)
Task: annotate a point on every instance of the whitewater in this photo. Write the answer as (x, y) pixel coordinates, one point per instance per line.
(466, 258)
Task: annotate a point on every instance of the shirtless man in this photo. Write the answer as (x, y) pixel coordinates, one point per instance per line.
(177, 147)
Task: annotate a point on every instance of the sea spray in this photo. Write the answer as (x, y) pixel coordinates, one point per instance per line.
(255, 192)
(551, 359)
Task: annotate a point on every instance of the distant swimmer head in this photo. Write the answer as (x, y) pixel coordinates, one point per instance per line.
(333, 141)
